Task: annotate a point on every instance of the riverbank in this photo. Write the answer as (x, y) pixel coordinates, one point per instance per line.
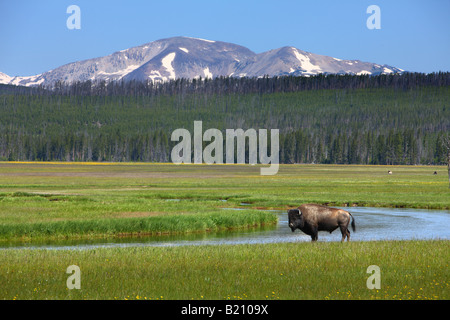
(136, 227)
(94, 200)
(324, 270)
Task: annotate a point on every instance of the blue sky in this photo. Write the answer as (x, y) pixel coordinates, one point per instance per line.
(414, 35)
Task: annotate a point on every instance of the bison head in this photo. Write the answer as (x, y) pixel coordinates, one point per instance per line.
(295, 219)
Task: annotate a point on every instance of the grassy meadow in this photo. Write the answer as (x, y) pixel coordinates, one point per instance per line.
(327, 270)
(60, 200)
(93, 200)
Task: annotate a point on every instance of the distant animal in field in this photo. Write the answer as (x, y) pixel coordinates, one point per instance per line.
(389, 172)
(312, 218)
(435, 173)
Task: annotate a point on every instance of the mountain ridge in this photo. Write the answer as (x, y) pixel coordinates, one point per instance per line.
(185, 57)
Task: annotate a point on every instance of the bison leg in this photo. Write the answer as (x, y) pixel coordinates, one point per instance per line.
(345, 233)
(314, 234)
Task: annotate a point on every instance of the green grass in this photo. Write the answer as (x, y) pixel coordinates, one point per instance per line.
(41, 201)
(60, 200)
(167, 224)
(324, 270)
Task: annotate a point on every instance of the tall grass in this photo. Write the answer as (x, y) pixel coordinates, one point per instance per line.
(165, 224)
(323, 270)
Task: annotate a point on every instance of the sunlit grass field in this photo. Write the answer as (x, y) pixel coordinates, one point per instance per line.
(93, 200)
(86, 200)
(324, 270)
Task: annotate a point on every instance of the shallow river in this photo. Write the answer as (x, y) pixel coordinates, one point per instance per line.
(371, 224)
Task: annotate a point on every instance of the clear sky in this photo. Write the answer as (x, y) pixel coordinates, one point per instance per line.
(414, 35)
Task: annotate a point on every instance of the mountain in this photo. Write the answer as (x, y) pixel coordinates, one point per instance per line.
(184, 57)
(4, 78)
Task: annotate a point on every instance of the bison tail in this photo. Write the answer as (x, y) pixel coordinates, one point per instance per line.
(353, 223)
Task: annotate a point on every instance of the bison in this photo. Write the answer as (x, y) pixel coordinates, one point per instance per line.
(311, 218)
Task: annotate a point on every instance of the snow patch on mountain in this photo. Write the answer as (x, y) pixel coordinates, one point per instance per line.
(156, 76)
(28, 81)
(117, 75)
(4, 78)
(207, 73)
(306, 62)
(167, 63)
(201, 39)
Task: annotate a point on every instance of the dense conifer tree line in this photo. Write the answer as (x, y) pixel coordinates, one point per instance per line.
(386, 119)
